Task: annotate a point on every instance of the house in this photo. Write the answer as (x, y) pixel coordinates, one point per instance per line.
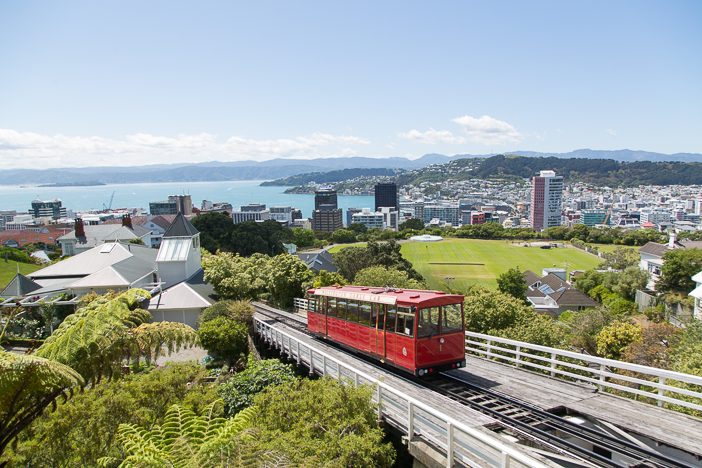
(319, 260)
(550, 293)
(173, 274)
(697, 295)
(651, 256)
(85, 237)
(156, 225)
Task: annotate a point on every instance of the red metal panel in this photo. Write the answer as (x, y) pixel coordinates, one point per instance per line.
(401, 351)
(431, 351)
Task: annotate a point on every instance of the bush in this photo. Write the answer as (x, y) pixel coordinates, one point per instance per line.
(615, 337)
(239, 391)
(224, 338)
(241, 311)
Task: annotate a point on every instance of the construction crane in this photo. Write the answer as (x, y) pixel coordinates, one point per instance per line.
(109, 207)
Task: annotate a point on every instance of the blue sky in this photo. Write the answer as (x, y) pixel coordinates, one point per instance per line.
(133, 82)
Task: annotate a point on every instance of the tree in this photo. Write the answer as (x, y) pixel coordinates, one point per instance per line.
(241, 311)
(319, 423)
(215, 230)
(238, 392)
(83, 429)
(343, 236)
(92, 342)
(412, 223)
(327, 278)
(386, 277)
(285, 277)
(582, 328)
(303, 237)
(236, 277)
(358, 228)
(351, 260)
(679, 265)
(225, 338)
(615, 337)
(620, 258)
(512, 282)
(652, 350)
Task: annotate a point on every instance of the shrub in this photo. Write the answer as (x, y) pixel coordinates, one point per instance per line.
(224, 338)
(241, 311)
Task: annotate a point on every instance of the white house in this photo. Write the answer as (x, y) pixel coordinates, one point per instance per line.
(651, 257)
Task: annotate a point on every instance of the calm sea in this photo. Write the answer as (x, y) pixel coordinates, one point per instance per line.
(139, 195)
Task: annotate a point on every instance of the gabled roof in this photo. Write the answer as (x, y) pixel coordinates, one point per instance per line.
(530, 277)
(180, 227)
(19, 286)
(317, 261)
(697, 278)
(193, 293)
(101, 233)
(654, 248)
(164, 221)
(554, 282)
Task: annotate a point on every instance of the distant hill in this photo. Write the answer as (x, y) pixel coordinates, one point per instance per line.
(279, 168)
(331, 176)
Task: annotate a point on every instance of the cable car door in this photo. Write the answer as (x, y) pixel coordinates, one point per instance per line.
(379, 346)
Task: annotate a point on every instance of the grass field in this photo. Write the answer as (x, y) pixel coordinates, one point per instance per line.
(479, 262)
(612, 247)
(338, 247)
(9, 268)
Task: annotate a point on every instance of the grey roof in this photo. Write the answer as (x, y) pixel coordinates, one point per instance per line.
(19, 286)
(194, 292)
(530, 277)
(93, 260)
(573, 297)
(100, 233)
(180, 227)
(202, 287)
(654, 248)
(688, 244)
(317, 261)
(554, 282)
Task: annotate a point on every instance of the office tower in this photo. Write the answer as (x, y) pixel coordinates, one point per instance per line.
(386, 196)
(327, 216)
(546, 200)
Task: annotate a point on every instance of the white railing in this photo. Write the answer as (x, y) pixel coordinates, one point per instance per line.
(300, 304)
(462, 444)
(634, 379)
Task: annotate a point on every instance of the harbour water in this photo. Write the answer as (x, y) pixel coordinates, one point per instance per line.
(139, 195)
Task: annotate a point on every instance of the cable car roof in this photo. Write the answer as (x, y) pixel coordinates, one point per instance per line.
(390, 296)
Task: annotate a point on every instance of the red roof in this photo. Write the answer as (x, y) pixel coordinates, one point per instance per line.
(418, 297)
(25, 237)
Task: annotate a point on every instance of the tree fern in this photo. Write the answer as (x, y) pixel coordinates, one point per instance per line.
(184, 439)
(28, 384)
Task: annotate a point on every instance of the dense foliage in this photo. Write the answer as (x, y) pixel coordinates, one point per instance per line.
(225, 339)
(218, 232)
(351, 260)
(83, 429)
(613, 339)
(678, 268)
(238, 392)
(512, 282)
(386, 277)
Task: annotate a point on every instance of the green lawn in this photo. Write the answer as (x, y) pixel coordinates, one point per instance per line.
(338, 247)
(484, 260)
(9, 269)
(612, 247)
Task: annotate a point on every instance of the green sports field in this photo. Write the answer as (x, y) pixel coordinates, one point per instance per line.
(9, 269)
(479, 262)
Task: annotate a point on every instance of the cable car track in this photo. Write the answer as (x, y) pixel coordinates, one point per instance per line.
(517, 415)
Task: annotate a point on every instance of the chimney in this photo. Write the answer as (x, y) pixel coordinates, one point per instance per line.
(80, 229)
(671, 240)
(127, 221)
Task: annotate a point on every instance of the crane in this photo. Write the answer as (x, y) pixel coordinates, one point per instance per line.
(109, 207)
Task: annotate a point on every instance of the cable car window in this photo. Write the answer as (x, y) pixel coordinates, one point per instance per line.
(312, 305)
(331, 307)
(377, 318)
(390, 319)
(451, 319)
(341, 308)
(405, 321)
(352, 311)
(428, 323)
(364, 314)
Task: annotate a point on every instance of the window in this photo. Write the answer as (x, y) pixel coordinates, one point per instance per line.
(341, 309)
(312, 305)
(405, 321)
(377, 316)
(390, 319)
(451, 318)
(364, 314)
(428, 324)
(331, 307)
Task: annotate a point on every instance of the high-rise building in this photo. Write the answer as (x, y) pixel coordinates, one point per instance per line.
(349, 215)
(325, 199)
(48, 209)
(253, 207)
(282, 214)
(386, 196)
(546, 200)
(174, 205)
(327, 217)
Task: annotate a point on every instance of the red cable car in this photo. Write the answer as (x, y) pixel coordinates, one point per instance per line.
(418, 331)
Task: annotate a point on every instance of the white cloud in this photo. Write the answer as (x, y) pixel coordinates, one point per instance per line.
(488, 130)
(432, 136)
(612, 132)
(34, 150)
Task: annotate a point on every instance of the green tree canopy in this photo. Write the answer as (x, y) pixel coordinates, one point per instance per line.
(615, 337)
(678, 268)
(512, 282)
(412, 223)
(225, 338)
(386, 277)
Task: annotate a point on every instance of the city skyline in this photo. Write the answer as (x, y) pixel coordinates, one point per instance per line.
(130, 83)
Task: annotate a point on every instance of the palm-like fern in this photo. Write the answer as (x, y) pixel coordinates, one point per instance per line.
(28, 384)
(184, 439)
(89, 344)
